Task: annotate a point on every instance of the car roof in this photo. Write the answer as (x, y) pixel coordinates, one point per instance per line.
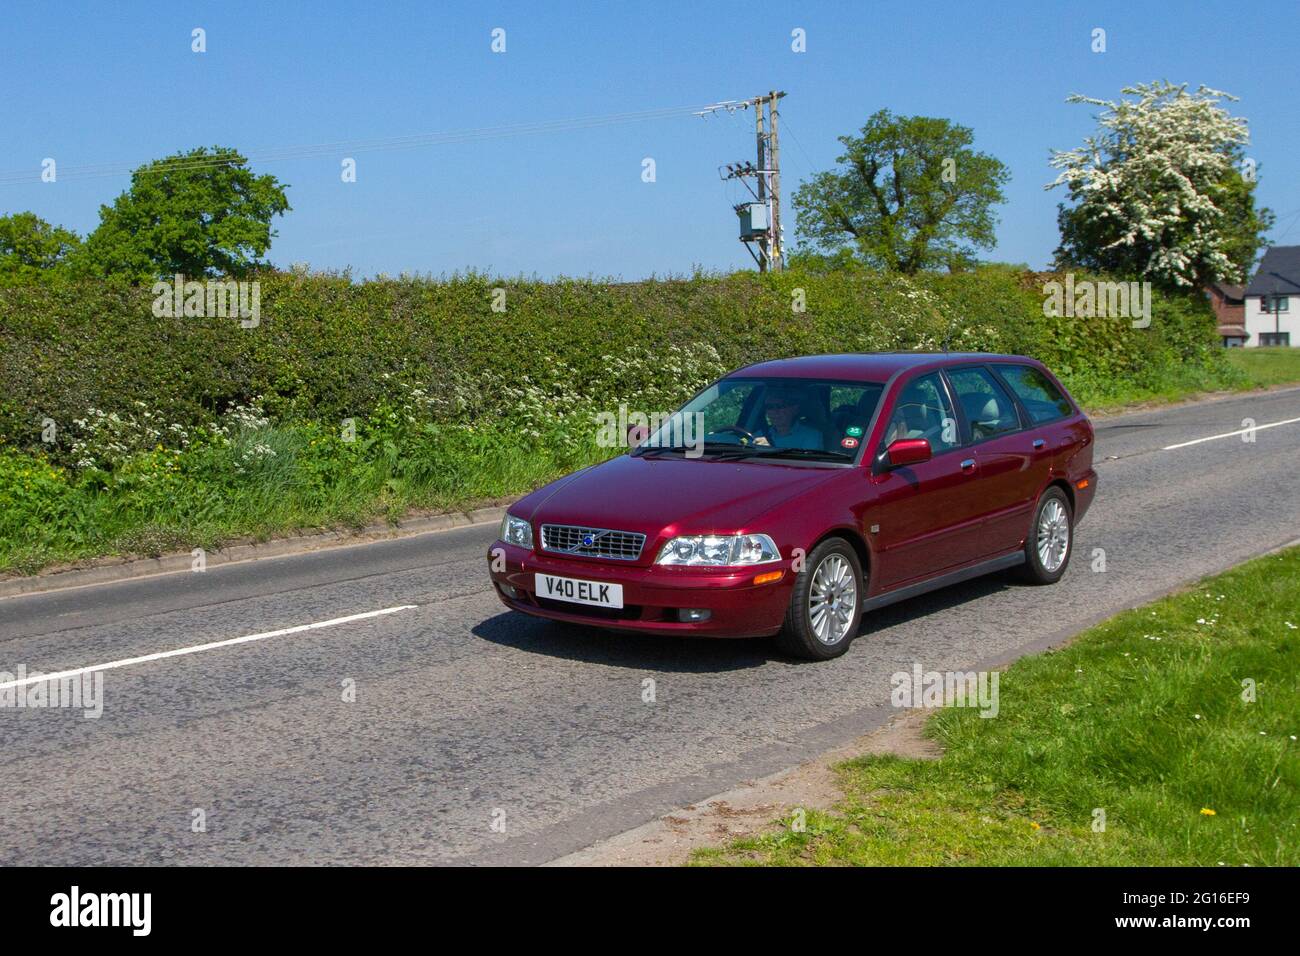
(864, 366)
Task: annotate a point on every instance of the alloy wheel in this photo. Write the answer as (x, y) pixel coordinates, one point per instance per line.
(832, 599)
(1053, 535)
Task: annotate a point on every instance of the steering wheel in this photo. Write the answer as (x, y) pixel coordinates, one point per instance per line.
(747, 437)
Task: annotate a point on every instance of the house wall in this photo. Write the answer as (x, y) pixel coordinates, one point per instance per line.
(1257, 320)
(1226, 312)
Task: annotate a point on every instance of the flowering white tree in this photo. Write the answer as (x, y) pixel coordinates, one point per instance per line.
(1162, 190)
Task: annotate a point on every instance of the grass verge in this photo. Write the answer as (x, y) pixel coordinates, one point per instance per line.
(1243, 370)
(272, 481)
(1144, 718)
(1267, 367)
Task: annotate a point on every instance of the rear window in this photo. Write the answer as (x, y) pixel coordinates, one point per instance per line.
(1041, 398)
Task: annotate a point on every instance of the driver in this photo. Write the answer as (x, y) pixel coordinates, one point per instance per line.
(782, 408)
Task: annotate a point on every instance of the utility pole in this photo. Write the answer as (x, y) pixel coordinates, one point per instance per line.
(763, 238)
(760, 221)
(774, 159)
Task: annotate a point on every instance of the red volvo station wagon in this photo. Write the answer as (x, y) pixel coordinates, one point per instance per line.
(790, 497)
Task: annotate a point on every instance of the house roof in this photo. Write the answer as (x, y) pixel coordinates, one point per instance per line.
(1237, 331)
(1230, 293)
(1279, 272)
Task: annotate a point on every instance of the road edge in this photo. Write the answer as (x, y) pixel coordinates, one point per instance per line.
(112, 570)
(1205, 398)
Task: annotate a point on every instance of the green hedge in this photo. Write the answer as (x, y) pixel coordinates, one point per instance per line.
(328, 348)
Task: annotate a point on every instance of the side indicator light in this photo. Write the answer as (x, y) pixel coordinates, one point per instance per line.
(1081, 484)
(768, 577)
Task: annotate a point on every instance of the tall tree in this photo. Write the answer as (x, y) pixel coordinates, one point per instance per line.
(1162, 190)
(911, 195)
(199, 213)
(30, 247)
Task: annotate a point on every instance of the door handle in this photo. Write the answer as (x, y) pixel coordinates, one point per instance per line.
(1039, 442)
(968, 464)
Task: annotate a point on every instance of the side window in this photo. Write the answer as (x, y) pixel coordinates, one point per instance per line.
(988, 407)
(1041, 398)
(922, 410)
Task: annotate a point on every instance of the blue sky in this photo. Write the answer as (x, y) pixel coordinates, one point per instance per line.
(90, 83)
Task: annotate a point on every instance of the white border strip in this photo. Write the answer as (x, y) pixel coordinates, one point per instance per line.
(197, 648)
(1240, 431)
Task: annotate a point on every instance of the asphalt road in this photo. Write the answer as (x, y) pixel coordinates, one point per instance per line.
(465, 716)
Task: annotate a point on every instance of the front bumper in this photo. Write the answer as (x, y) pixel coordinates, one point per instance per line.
(652, 596)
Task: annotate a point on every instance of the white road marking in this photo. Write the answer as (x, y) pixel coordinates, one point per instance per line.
(197, 648)
(1240, 431)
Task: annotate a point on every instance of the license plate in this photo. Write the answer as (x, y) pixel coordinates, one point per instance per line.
(580, 592)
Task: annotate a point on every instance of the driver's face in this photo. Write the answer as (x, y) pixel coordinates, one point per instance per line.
(781, 411)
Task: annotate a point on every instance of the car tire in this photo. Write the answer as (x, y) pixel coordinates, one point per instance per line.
(1050, 541)
(824, 583)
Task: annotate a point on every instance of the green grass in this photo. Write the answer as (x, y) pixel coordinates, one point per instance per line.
(275, 481)
(1142, 717)
(1242, 370)
(1265, 367)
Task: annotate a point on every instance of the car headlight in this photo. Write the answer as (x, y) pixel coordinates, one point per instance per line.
(516, 531)
(721, 550)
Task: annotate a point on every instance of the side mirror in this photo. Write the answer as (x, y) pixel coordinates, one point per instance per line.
(908, 451)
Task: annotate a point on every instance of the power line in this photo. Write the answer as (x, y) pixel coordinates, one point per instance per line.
(1294, 217)
(798, 143)
(414, 141)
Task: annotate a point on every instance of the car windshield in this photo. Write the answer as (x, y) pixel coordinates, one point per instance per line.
(777, 418)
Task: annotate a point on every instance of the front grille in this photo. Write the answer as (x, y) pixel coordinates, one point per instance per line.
(592, 542)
